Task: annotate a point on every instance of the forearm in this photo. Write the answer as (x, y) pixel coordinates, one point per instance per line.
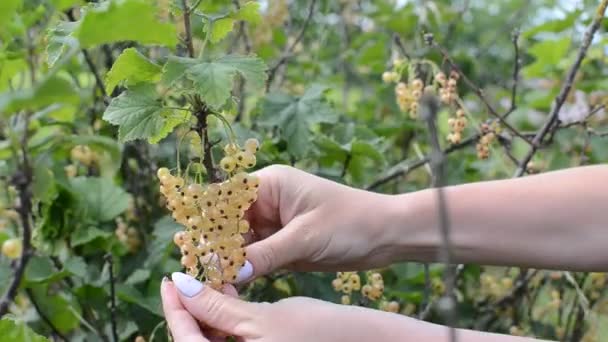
(401, 328)
(555, 220)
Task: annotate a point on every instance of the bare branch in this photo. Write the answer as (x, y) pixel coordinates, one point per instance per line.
(287, 53)
(565, 90)
(401, 171)
(516, 68)
(429, 108)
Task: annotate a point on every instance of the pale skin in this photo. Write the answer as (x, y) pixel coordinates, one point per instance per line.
(555, 220)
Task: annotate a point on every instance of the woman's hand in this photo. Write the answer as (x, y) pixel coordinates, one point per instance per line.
(188, 305)
(308, 223)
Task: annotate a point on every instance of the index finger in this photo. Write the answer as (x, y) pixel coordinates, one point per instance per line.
(182, 325)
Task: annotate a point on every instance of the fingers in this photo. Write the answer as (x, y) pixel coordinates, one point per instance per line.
(182, 325)
(278, 250)
(219, 311)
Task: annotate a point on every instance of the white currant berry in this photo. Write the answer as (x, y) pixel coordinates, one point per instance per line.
(12, 248)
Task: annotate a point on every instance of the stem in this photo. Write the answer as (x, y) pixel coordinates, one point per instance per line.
(22, 181)
(187, 28)
(112, 298)
(43, 316)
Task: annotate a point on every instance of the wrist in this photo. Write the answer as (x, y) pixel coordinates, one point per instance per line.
(406, 229)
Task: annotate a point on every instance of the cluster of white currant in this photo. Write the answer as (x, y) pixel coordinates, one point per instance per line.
(457, 126)
(374, 288)
(346, 282)
(488, 135)
(80, 154)
(213, 216)
(127, 235)
(409, 95)
(448, 93)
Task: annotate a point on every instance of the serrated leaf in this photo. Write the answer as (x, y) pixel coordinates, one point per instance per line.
(99, 199)
(250, 11)
(76, 266)
(113, 22)
(294, 116)
(56, 308)
(131, 67)
(548, 53)
(175, 69)
(214, 80)
(12, 329)
(137, 112)
(171, 122)
(220, 29)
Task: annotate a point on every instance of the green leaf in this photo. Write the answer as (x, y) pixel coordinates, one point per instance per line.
(122, 20)
(131, 67)
(172, 121)
(220, 29)
(162, 239)
(294, 116)
(43, 187)
(175, 69)
(99, 199)
(76, 266)
(131, 295)
(250, 11)
(554, 26)
(41, 270)
(137, 277)
(138, 114)
(56, 308)
(84, 235)
(12, 329)
(10, 71)
(548, 54)
(7, 10)
(60, 37)
(214, 79)
(50, 91)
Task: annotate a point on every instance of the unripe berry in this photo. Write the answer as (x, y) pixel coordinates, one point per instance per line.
(345, 300)
(12, 248)
(417, 84)
(392, 307)
(163, 172)
(228, 164)
(252, 145)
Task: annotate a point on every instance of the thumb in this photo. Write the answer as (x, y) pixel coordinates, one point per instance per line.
(279, 249)
(222, 312)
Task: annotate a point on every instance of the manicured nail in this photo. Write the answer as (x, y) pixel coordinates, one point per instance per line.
(245, 272)
(165, 279)
(186, 284)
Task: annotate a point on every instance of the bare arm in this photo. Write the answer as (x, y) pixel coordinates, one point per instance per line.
(556, 220)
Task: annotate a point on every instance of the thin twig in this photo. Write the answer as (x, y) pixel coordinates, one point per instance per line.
(242, 34)
(565, 90)
(43, 316)
(401, 171)
(429, 108)
(431, 42)
(289, 49)
(516, 68)
(113, 324)
(400, 46)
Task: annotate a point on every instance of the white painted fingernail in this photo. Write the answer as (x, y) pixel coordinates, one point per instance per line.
(245, 272)
(186, 284)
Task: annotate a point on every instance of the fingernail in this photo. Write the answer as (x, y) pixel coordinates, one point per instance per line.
(165, 279)
(186, 284)
(245, 272)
